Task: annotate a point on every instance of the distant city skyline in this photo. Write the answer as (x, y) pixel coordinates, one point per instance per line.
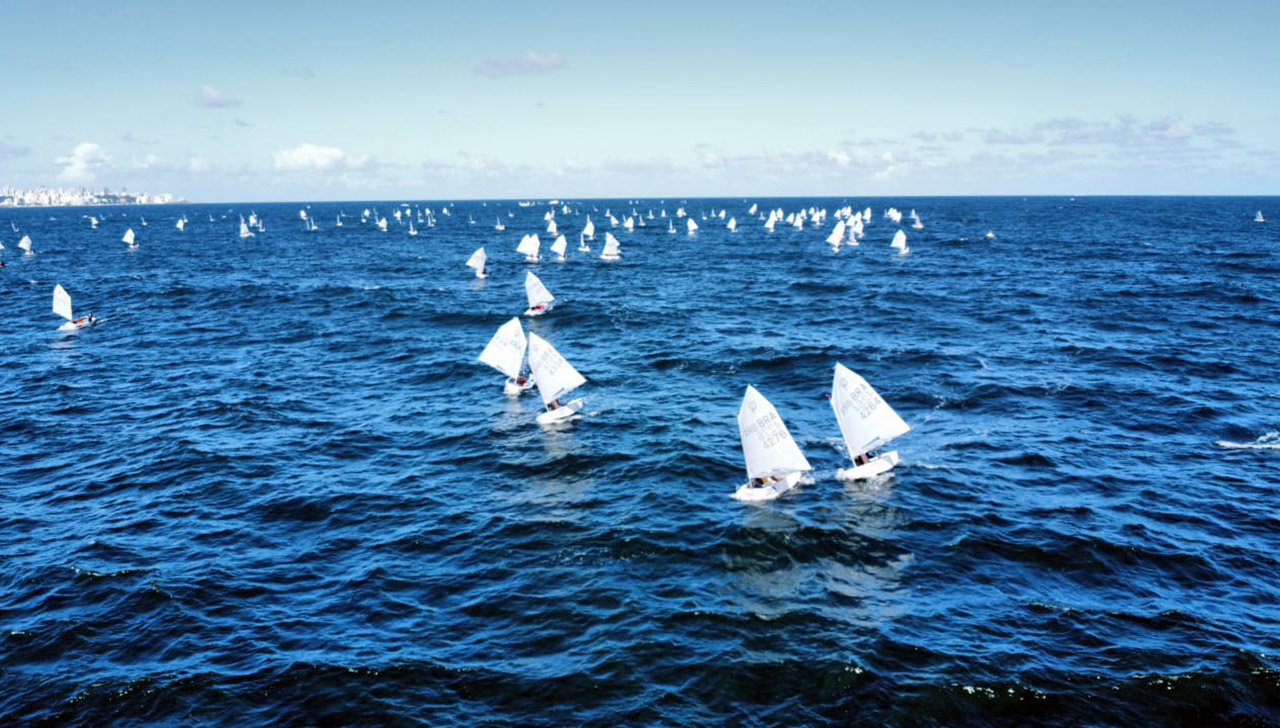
(288, 101)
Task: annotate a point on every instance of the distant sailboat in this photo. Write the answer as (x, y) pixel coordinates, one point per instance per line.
(774, 461)
(505, 352)
(413, 232)
(990, 235)
(558, 247)
(144, 221)
(590, 230)
(382, 224)
(62, 307)
(753, 209)
(244, 230)
(499, 226)
(866, 423)
(610, 251)
(551, 228)
(555, 378)
(837, 234)
(338, 221)
(128, 239)
(93, 222)
(1259, 217)
(900, 243)
(476, 261)
(528, 247)
(693, 226)
(671, 226)
(181, 224)
(733, 225)
(539, 297)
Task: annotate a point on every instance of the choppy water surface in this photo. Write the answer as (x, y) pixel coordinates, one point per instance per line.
(275, 486)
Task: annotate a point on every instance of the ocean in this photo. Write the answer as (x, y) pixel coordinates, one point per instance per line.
(274, 486)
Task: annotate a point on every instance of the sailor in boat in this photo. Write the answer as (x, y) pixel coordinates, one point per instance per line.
(864, 458)
(761, 482)
(554, 404)
(85, 320)
(539, 307)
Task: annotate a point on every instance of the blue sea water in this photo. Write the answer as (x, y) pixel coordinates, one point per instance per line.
(274, 486)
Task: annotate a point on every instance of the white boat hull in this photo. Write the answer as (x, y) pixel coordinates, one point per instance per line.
(536, 311)
(768, 491)
(73, 326)
(610, 257)
(512, 388)
(562, 413)
(882, 463)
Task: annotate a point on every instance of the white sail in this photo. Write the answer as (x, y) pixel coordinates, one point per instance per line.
(767, 446)
(837, 234)
(590, 229)
(128, 237)
(476, 261)
(1259, 217)
(551, 228)
(505, 351)
(733, 225)
(528, 246)
(62, 302)
(558, 247)
(629, 223)
(181, 224)
(610, 251)
(535, 291)
(244, 229)
(866, 420)
(900, 243)
(554, 375)
(382, 224)
(693, 226)
(499, 226)
(753, 209)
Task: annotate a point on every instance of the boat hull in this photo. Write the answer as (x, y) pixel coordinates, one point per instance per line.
(882, 463)
(562, 413)
(767, 492)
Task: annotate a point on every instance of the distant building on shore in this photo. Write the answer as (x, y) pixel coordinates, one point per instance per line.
(69, 197)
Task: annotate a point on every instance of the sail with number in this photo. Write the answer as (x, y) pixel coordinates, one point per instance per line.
(554, 375)
(62, 302)
(866, 420)
(505, 351)
(767, 445)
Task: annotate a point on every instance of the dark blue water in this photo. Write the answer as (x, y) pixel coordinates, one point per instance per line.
(275, 487)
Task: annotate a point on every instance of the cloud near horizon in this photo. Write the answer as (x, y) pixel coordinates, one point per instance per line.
(531, 62)
(308, 157)
(80, 166)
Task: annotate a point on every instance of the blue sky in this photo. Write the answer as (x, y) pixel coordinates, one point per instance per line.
(294, 101)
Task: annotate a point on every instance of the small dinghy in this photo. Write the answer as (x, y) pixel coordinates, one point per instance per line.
(528, 247)
(866, 423)
(476, 262)
(900, 243)
(505, 353)
(1259, 217)
(128, 239)
(582, 245)
(610, 251)
(774, 460)
(539, 297)
(62, 307)
(555, 378)
(558, 247)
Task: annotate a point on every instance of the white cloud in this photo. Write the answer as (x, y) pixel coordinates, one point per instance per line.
(307, 156)
(84, 160)
(530, 62)
(198, 164)
(148, 162)
(213, 98)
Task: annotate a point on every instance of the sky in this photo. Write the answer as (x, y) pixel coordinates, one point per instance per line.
(239, 101)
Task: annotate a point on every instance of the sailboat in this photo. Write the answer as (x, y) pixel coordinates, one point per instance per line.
(337, 222)
(671, 226)
(590, 230)
(539, 297)
(413, 233)
(610, 251)
(990, 235)
(693, 226)
(753, 209)
(528, 247)
(476, 261)
(62, 307)
(93, 222)
(900, 243)
(181, 224)
(733, 225)
(244, 229)
(551, 228)
(559, 246)
(128, 239)
(555, 378)
(866, 423)
(837, 234)
(1259, 217)
(505, 352)
(499, 227)
(774, 460)
(382, 224)
(25, 244)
